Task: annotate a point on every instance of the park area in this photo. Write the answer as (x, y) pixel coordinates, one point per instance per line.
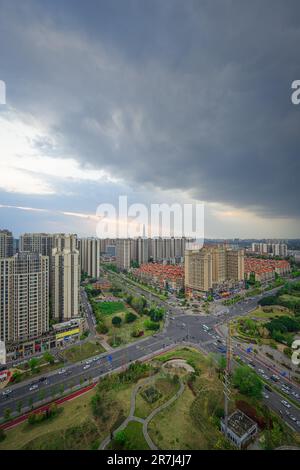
(182, 406)
(122, 318)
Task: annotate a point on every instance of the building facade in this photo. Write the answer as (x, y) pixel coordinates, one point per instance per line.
(65, 278)
(24, 296)
(90, 249)
(6, 244)
(210, 267)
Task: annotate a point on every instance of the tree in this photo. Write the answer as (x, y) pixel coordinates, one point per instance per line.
(7, 413)
(33, 363)
(130, 317)
(120, 438)
(116, 321)
(2, 435)
(16, 377)
(48, 357)
(247, 381)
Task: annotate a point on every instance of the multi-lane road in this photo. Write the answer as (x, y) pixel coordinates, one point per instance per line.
(180, 328)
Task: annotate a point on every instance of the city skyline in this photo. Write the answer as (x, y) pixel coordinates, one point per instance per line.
(153, 103)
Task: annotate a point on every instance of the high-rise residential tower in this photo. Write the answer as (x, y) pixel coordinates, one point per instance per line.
(89, 249)
(6, 244)
(65, 278)
(24, 296)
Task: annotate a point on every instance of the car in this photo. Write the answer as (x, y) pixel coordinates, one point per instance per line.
(86, 366)
(33, 387)
(6, 392)
(285, 390)
(261, 371)
(268, 388)
(285, 403)
(265, 395)
(42, 379)
(298, 423)
(293, 418)
(265, 377)
(62, 371)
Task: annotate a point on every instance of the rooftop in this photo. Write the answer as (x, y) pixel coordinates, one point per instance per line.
(240, 423)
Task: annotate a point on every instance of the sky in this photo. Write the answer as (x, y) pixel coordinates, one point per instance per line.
(162, 101)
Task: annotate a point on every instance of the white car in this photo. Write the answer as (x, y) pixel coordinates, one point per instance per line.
(62, 371)
(265, 395)
(6, 392)
(86, 366)
(261, 371)
(33, 387)
(293, 418)
(285, 403)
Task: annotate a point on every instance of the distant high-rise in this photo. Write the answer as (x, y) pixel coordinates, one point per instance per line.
(24, 296)
(90, 256)
(65, 278)
(123, 253)
(274, 249)
(6, 244)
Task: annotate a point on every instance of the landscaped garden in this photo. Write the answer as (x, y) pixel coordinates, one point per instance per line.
(122, 318)
(191, 421)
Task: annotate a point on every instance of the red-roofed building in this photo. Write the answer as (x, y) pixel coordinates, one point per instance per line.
(265, 269)
(161, 275)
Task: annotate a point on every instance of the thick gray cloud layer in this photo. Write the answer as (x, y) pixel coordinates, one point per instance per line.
(180, 95)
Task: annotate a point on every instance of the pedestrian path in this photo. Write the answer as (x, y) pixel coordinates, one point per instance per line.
(144, 421)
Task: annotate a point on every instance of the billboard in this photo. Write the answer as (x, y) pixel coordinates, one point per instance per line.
(75, 331)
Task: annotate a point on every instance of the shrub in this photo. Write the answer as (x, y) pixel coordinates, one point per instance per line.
(116, 321)
(151, 325)
(130, 317)
(101, 328)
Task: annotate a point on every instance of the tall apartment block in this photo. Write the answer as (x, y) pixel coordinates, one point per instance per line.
(212, 266)
(6, 244)
(198, 270)
(123, 253)
(89, 249)
(65, 278)
(41, 243)
(24, 296)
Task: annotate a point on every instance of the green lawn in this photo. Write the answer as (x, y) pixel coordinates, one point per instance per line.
(134, 438)
(273, 311)
(165, 387)
(83, 351)
(109, 308)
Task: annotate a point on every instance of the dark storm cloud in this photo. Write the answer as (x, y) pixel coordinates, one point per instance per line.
(180, 95)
